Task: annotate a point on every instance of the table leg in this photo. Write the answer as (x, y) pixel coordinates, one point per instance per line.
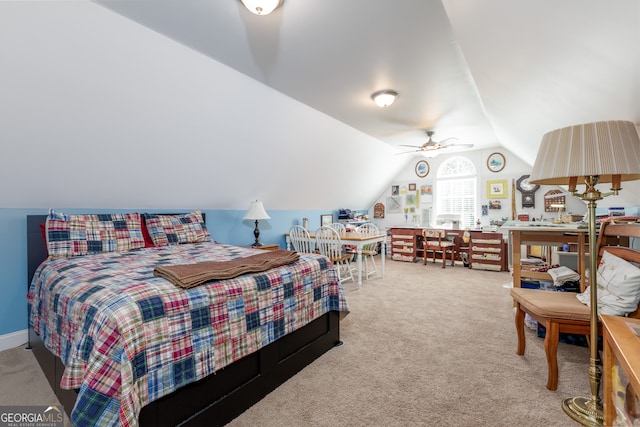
(609, 404)
(359, 264)
(515, 258)
(384, 255)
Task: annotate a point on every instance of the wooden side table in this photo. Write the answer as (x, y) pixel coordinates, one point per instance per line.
(621, 368)
(265, 246)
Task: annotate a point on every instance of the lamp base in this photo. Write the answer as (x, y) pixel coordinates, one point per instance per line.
(257, 244)
(256, 234)
(584, 411)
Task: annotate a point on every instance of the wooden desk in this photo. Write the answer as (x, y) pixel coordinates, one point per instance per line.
(545, 236)
(621, 370)
(407, 245)
(358, 240)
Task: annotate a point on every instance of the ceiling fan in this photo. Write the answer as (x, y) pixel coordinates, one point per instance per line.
(432, 147)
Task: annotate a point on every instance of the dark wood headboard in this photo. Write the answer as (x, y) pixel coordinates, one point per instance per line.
(36, 250)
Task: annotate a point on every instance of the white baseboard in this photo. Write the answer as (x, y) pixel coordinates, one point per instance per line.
(14, 339)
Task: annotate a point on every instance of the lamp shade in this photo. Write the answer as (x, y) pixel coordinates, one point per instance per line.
(256, 211)
(602, 149)
(591, 153)
(261, 7)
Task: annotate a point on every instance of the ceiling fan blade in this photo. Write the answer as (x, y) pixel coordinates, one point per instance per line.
(447, 139)
(406, 152)
(460, 145)
(431, 147)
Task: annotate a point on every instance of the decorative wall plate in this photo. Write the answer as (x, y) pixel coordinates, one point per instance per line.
(422, 168)
(496, 162)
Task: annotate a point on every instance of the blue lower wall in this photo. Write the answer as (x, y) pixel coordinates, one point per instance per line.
(226, 226)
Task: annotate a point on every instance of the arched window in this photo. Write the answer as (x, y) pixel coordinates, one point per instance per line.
(456, 190)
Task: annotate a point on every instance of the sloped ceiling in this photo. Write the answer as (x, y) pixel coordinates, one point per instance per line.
(491, 73)
(99, 111)
(138, 74)
(333, 54)
(547, 64)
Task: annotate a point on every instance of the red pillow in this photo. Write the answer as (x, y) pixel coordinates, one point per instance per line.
(43, 230)
(148, 243)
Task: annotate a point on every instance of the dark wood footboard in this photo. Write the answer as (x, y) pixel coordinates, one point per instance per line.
(218, 398)
(221, 397)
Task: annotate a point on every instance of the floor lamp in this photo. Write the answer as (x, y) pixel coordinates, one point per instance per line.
(591, 153)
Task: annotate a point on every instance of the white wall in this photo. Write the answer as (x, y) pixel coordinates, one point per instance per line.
(514, 169)
(98, 111)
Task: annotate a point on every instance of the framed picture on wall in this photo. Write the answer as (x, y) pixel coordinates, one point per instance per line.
(394, 204)
(422, 168)
(496, 162)
(497, 189)
(326, 219)
(426, 190)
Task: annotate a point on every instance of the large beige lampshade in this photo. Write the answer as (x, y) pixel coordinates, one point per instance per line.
(599, 148)
(589, 154)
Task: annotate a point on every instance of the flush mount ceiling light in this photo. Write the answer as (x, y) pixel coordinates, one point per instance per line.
(261, 7)
(384, 98)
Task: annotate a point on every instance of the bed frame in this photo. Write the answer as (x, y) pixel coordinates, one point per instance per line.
(218, 398)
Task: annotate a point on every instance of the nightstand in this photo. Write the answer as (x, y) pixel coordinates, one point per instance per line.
(265, 247)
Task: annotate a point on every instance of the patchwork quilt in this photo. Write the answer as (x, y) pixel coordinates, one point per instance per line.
(127, 338)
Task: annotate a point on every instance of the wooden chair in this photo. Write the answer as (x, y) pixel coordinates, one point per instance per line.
(339, 227)
(435, 242)
(562, 312)
(300, 240)
(369, 250)
(329, 244)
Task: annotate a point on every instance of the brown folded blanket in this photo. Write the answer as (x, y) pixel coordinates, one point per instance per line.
(189, 275)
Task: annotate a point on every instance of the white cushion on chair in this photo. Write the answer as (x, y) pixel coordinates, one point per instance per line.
(618, 286)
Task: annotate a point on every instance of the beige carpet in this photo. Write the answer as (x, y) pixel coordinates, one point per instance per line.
(22, 383)
(422, 347)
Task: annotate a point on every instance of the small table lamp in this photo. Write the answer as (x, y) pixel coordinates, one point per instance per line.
(256, 212)
(560, 207)
(591, 153)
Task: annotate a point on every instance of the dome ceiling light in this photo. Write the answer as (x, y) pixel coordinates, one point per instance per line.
(261, 7)
(384, 98)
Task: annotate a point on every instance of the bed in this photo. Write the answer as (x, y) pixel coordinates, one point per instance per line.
(121, 346)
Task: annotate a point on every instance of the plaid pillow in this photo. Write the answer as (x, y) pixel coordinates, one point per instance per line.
(176, 229)
(75, 235)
